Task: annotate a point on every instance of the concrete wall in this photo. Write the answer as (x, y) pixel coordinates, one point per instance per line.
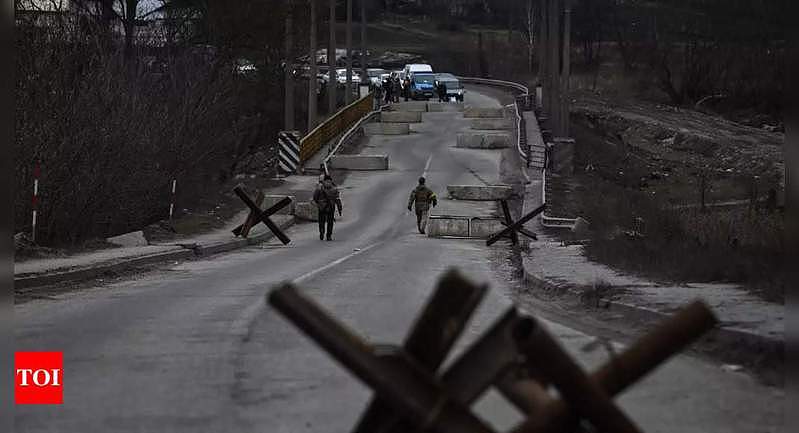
(439, 107)
(483, 140)
(419, 106)
(439, 226)
(492, 124)
(307, 211)
(386, 128)
(483, 112)
(401, 116)
(479, 192)
(462, 226)
(271, 200)
(359, 162)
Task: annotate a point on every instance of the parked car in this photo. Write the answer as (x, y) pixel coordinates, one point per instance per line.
(410, 69)
(422, 85)
(454, 87)
(341, 76)
(375, 75)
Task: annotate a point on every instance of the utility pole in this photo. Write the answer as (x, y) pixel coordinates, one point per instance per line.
(312, 83)
(543, 57)
(348, 92)
(288, 78)
(566, 58)
(332, 80)
(554, 65)
(364, 56)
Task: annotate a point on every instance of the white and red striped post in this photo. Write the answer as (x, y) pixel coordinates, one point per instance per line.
(37, 171)
(172, 202)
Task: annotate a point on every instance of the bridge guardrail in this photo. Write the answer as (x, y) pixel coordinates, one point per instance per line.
(522, 143)
(330, 128)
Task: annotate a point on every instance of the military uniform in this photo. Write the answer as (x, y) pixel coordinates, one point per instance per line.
(422, 197)
(327, 199)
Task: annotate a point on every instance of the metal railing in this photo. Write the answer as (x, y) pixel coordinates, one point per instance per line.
(332, 127)
(522, 143)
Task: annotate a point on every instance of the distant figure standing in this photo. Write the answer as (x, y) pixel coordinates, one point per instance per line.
(327, 200)
(407, 88)
(387, 85)
(397, 89)
(441, 89)
(378, 95)
(422, 197)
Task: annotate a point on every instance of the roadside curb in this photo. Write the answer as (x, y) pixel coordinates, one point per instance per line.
(756, 346)
(89, 272)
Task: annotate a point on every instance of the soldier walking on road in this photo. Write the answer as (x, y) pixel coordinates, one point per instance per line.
(423, 197)
(327, 200)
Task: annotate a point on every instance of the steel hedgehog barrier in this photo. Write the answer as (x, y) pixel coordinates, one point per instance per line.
(333, 126)
(517, 356)
(524, 102)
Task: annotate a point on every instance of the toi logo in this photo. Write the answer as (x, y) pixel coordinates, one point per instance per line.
(38, 377)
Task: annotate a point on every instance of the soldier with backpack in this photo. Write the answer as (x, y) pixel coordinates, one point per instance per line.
(327, 200)
(422, 197)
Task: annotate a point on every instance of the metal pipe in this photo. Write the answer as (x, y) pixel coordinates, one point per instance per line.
(583, 395)
(314, 70)
(407, 388)
(667, 339)
(348, 92)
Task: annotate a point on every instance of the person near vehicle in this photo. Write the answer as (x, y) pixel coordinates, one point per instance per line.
(407, 88)
(422, 198)
(441, 89)
(387, 85)
(327, 200)
(397, 89)
(378, 95)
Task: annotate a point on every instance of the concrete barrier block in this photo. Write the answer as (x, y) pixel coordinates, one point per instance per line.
(359, 162)
(483, 140)
(381, 128)
(492, 124)
(132, 239)
(441, 225)
(271, 200)
(401, 116)
(483, 112)
(479, 192)
(439, 107)
(484, 227)
(418, 106)
(306, 211)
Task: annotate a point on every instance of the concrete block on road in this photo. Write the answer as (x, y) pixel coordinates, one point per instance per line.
(483, 140)
(479, 192)
(271, 200)
(483, 112)
(132, 239)
(306, 211)
(492, 124)
(418, 106)
(380, 128)
(439, 107)
(442, 225)
(401, 116)
(482, 228)
(359, 162)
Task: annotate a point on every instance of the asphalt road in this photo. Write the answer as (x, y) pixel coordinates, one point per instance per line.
(195, 347)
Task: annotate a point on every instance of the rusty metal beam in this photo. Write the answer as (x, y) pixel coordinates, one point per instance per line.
(411, 391)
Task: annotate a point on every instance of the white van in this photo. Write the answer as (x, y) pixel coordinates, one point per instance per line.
(412, 68)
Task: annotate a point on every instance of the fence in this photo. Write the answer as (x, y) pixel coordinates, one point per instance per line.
(334, 126)
(524, 102)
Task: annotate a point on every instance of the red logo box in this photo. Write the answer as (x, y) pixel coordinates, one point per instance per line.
(38, 377)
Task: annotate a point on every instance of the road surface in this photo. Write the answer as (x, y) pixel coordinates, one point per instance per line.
(194, 348)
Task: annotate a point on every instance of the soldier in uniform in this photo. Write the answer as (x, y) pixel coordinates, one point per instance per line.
(327, 200)
(423, 197)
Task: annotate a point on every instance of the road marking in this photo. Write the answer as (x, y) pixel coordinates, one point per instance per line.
(334, 263)
(427, 165)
